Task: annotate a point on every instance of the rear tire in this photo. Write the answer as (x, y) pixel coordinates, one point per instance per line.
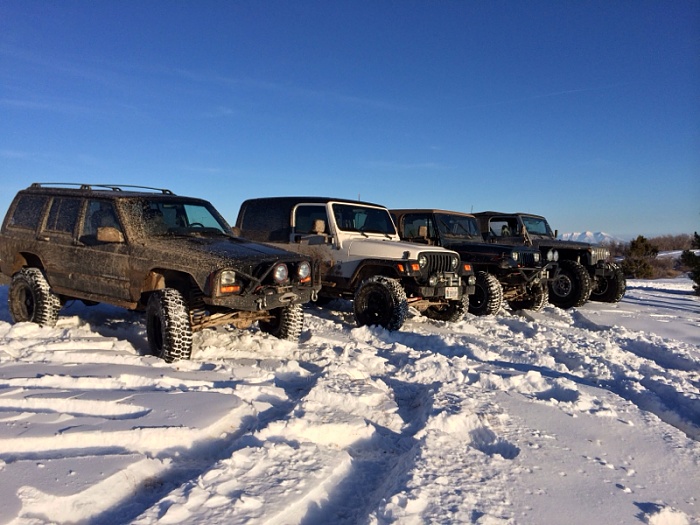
(450, 312)
(31, 300)
(610, 289)
(539, 296)
(287, 322)
(168, 325)
(380, 301)
(487, 298)
(572, 286)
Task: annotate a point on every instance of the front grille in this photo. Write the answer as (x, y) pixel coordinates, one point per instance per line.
(599, 254)
(439, 262)
(528, 259)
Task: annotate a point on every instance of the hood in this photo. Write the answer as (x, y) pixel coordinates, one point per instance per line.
(218, 251)
(485, 247)
(388, 248)
(557, 243)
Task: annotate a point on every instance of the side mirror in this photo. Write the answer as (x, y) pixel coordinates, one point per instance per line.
(109, 234)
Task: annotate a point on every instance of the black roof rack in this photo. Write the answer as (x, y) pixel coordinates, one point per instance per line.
(90, 187)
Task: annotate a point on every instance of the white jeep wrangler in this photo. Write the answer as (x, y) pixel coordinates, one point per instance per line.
(360, 256)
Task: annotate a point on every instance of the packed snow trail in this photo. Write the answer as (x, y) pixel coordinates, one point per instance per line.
(516, 418)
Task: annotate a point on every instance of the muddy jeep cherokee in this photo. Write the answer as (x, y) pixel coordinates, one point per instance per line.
(360, 256)
(503, 272)
(146, 249)
(583, 272)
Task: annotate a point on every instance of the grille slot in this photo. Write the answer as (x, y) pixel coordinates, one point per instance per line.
(439, 262)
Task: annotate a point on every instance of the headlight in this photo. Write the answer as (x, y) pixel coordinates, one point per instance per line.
(455, 262)
(537, 257)
(227, 282)
(433, 280)
(304, 271)
(552, 255)
(515, 256)
(280, 273)
(227, 278)
(423, 261)
(471, 280)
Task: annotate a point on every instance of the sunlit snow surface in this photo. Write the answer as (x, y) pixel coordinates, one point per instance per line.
(585, 416)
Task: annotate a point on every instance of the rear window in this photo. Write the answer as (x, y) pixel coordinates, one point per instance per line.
(27, 213)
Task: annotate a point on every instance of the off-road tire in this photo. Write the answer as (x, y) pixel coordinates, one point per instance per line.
(450, 312)
(380, 301)
(572, 286)
(610, 289)
(30, 298)
(538, 297)
(487, 298)
(168, 325)
(286, 323)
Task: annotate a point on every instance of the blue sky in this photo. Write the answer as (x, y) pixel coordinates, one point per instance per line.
(587, 112)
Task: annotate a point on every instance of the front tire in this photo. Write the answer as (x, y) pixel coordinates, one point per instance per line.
(450, 312)
(30, 298)
(571, 287)
(610, 289)
(487, 298)
(168, 325)
(380, 301)
(286, 323)
(535, 301)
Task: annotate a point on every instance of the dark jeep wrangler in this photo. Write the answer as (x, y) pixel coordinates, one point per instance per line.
(503, 272)
(147, 249)
(362, 258)
(584, 271)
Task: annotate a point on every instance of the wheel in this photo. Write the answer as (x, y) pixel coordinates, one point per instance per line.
(610, 289)
(168, 325)
(380, 301)
(286, 323)
(571, 287)
(30, 298)
(487, 298)
(537, 298)
(450, 312)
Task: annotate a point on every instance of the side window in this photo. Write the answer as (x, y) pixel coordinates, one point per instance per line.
(27, 213)
(503, 227)
(265, 221)
(416, 226)
(63, 214)
(307, 220)
(98, 215)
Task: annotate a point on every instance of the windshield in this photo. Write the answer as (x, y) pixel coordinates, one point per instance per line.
(457, 226)
(169, 217)
(358, 218)
(537, 226)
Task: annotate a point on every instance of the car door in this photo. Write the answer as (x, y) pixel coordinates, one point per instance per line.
(104, 248)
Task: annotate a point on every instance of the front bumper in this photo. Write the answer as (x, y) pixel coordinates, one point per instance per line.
(266, 298)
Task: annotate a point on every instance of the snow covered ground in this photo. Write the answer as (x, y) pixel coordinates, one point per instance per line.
(586, 416)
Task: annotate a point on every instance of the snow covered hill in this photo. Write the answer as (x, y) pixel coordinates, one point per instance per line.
(590, 415)
(590, 237)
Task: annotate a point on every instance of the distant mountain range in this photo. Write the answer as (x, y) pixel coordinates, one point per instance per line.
(591, 237)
